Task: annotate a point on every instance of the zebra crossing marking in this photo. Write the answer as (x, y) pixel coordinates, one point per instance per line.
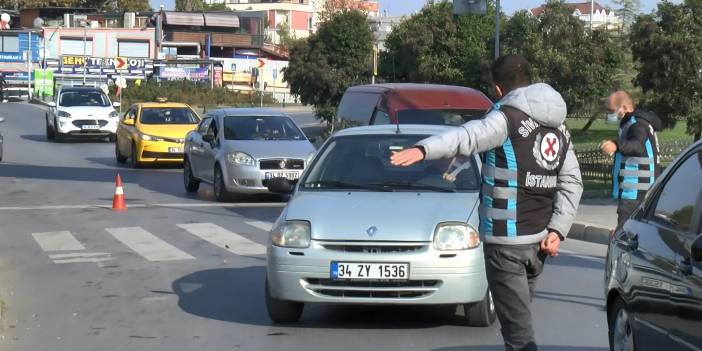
(265, 226)
(58, 241)
(148, 245)
(224, 239)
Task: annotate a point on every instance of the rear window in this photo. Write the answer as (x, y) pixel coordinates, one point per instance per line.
(357, 108)
(438, 117)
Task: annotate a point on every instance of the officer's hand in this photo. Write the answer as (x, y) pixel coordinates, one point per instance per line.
(551, 243)
(407, 157)
(608, 147)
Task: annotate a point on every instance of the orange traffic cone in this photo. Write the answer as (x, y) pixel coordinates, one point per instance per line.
(118, 200)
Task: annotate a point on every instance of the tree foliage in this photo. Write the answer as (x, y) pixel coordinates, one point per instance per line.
(199, 5)
(102, 5)
(579, 64)
(667, 47)
(334, 58)
(434, 46)
(627, 10)
(331, 8)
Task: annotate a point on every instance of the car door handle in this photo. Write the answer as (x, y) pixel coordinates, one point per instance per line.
(683, 266)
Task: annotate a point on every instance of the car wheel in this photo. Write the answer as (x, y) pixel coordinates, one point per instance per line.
(118, 155)
(135, 158)
(49, 130)
(282, 311)
(480, 314)
(220, 190)
(58, 136)
(190, 182)
(621, 334)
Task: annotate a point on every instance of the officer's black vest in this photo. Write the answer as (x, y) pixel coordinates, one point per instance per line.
(633, 175)
(520, 177)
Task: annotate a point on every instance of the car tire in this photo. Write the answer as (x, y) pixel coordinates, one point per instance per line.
(134, 158)
(49, 131)
(118, 155)
(480, 314)
(191, 183)
(283, 311)
(220, 190)
(621, 334)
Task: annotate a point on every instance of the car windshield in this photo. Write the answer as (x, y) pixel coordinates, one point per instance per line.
(261, 128)
(84, 98)
(168, 115)
(438, 117)
(363, 162)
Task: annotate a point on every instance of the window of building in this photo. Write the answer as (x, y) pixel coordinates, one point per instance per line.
(133, 48)
(76, 46)
(10, 43)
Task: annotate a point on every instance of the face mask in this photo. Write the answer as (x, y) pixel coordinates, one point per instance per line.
(613, 118)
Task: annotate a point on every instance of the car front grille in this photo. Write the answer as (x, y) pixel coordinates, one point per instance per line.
(89, 122)
(372, 289)
(162, 155)
(281, 163)
(373, 248)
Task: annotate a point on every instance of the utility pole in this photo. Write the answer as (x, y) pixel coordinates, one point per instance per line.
(85, 57)
(29, 67)
(592, 12)
(497, 29)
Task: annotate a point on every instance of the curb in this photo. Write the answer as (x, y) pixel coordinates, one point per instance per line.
(38, 102)
(589, 232)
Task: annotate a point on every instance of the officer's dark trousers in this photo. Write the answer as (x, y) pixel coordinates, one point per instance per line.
(512, 271)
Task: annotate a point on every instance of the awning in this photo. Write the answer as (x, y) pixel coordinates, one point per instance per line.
(229, 20)
(184, 19)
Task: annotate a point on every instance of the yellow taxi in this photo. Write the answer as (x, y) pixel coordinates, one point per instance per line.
(153, 132)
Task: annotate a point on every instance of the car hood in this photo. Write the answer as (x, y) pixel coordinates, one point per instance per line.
(88, 111)
(175, 131)
(261, 149)
(397, 216)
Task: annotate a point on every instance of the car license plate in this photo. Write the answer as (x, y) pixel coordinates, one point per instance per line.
(175, 150)
(375, 271)
(90, 127)
(288, 175)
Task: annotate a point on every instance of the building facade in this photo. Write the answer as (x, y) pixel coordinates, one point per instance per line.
(585, 11)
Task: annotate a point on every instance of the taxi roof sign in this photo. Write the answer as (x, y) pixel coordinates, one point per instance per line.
(161, 99)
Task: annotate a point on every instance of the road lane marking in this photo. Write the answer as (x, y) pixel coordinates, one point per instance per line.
(148, 245)
(265, 226)
(169, 205)
(78, 255)
(84, 260)
(225, 239)
(58, 241)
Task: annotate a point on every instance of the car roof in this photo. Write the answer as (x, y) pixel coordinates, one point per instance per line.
(391, 129)
(65, 89)
(161, 104)
(244, 112)
(402, 96)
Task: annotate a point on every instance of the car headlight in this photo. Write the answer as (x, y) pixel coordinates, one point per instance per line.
(147, 137)
(63, 114)
(114, 114)
(242, 159)
(292, 234)
(455, 236)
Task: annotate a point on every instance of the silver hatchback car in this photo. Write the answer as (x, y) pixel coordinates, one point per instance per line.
(238, 150)
(358, 230)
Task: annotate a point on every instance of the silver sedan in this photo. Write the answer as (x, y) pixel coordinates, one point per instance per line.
(358, 230)
(239, 150)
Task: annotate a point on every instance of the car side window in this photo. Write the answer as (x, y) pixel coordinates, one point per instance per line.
(676, 202)
(356, 108)
(130, 114)
(204, 125)
(381, 117)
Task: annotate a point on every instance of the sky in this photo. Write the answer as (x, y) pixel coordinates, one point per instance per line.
(405, 7)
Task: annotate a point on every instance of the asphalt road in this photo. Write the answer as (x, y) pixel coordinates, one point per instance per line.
(72, 279)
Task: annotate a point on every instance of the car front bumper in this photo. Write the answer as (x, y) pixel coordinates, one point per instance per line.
(159, 151)
(75, 126)
(435, 277)
(244, 179)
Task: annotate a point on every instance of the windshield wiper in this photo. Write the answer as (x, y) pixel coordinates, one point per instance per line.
(413, 185)
(341, 184)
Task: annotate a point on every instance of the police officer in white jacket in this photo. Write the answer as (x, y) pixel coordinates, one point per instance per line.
(530, 192)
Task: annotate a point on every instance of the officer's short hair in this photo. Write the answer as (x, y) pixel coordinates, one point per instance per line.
(511, 72)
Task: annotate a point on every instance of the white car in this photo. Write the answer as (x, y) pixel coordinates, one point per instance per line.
(81, 111)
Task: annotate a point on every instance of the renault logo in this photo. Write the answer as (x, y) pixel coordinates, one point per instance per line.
(371, 231)
(282, 164)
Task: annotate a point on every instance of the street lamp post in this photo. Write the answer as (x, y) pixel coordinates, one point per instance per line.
(85, 58)
(497, 29)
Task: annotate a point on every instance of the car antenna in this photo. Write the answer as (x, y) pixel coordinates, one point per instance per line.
(397, 124)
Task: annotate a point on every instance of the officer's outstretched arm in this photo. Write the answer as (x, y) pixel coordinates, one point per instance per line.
(569, 188)
(471, 138)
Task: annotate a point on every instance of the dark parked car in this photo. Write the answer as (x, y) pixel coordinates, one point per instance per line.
(411, 104)
(653, 273)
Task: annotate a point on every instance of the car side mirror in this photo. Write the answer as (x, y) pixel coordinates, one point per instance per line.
(696, 250)
(312, 140)
(116, 104)
(2, 119)
(128, 121)
(208, 138)
(51, 104)
(280, 186)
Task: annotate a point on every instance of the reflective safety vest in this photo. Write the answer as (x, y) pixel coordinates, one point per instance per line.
(520, 179)
(633, 175)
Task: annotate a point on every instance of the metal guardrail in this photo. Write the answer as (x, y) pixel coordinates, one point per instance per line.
(596, 166)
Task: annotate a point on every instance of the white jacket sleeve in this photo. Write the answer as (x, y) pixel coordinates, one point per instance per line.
(568, 191)
(472, 137)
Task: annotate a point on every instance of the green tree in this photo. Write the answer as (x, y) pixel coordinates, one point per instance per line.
(133, 5)
(667, 46)
(334, 58)
(435, 46)
(580, 65)
(627, 10)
